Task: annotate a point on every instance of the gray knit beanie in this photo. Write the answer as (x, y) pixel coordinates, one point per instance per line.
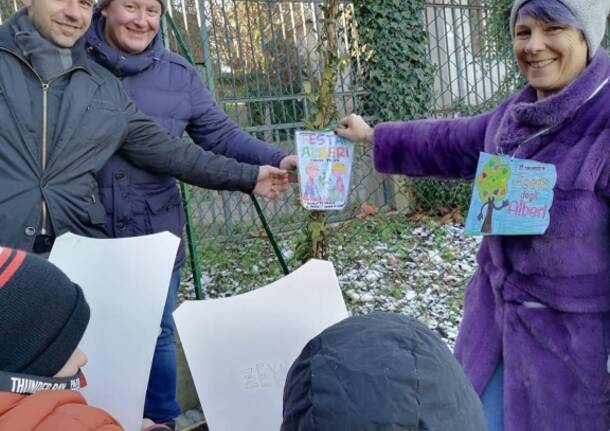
(103, 3)
(593, 15)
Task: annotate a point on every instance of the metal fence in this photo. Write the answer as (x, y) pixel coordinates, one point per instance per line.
(255, 55)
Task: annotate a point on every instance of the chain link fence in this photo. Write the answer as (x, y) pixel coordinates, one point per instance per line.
(255, 57)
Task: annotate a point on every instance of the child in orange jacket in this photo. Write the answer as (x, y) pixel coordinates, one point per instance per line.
(43, 316)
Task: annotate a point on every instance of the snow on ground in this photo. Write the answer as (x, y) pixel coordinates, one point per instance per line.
(384, 264)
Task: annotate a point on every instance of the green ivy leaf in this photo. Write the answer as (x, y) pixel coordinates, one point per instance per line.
(307, 87)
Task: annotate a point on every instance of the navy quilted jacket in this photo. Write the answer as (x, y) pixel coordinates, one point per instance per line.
(169, 89)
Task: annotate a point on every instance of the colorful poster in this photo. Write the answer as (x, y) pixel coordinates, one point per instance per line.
(510, 197)
(325, 167)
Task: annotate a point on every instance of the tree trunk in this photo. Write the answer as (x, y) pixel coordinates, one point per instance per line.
(487, 223)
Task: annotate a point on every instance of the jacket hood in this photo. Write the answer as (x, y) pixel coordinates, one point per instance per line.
(119, 63)
(380, 372)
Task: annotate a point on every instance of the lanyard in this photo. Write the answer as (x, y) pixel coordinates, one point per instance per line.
(28, 384)
(548, 129)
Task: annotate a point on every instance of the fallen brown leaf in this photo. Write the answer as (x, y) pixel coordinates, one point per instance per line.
(258, 234)
(367, 209)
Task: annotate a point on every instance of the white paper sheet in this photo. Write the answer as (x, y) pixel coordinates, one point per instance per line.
(125, 282)
(239, 349)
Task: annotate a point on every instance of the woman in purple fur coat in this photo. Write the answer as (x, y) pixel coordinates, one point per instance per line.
(535, 337)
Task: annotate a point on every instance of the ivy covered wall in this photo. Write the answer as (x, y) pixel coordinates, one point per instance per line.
(395, 64)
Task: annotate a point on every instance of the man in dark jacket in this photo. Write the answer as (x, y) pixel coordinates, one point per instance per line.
(380, 372)
(64, 116)
(124, 37)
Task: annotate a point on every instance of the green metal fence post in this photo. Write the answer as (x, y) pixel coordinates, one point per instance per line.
(276, 248)
(186, 197)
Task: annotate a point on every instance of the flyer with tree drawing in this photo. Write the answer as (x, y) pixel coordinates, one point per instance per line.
(511, 196)
(325, 167)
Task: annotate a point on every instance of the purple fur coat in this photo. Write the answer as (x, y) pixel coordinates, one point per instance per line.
(555, 353)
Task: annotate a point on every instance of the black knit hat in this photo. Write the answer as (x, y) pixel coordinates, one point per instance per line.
(380, 372)
(43, 315)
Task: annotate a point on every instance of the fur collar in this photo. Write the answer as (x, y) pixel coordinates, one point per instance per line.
(526, 116)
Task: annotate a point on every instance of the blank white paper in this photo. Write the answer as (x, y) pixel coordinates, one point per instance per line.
(125, 282)
(239, 349)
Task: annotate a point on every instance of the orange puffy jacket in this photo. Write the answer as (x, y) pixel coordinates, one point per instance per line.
(52, 411)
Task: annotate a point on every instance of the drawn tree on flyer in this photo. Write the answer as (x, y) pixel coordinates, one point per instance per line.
(492, 187)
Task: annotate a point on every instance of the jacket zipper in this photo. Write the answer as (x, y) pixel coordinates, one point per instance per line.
(45, 125)
(43, 151)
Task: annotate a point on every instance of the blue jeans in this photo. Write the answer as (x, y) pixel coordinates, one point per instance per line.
(161, 405)
(493, 401)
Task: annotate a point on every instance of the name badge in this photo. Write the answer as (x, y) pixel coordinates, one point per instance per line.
(510, 197)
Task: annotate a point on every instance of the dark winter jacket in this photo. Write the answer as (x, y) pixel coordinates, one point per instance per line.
(379, 372)
(169, 89)
(541, 304)
(94, 120)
